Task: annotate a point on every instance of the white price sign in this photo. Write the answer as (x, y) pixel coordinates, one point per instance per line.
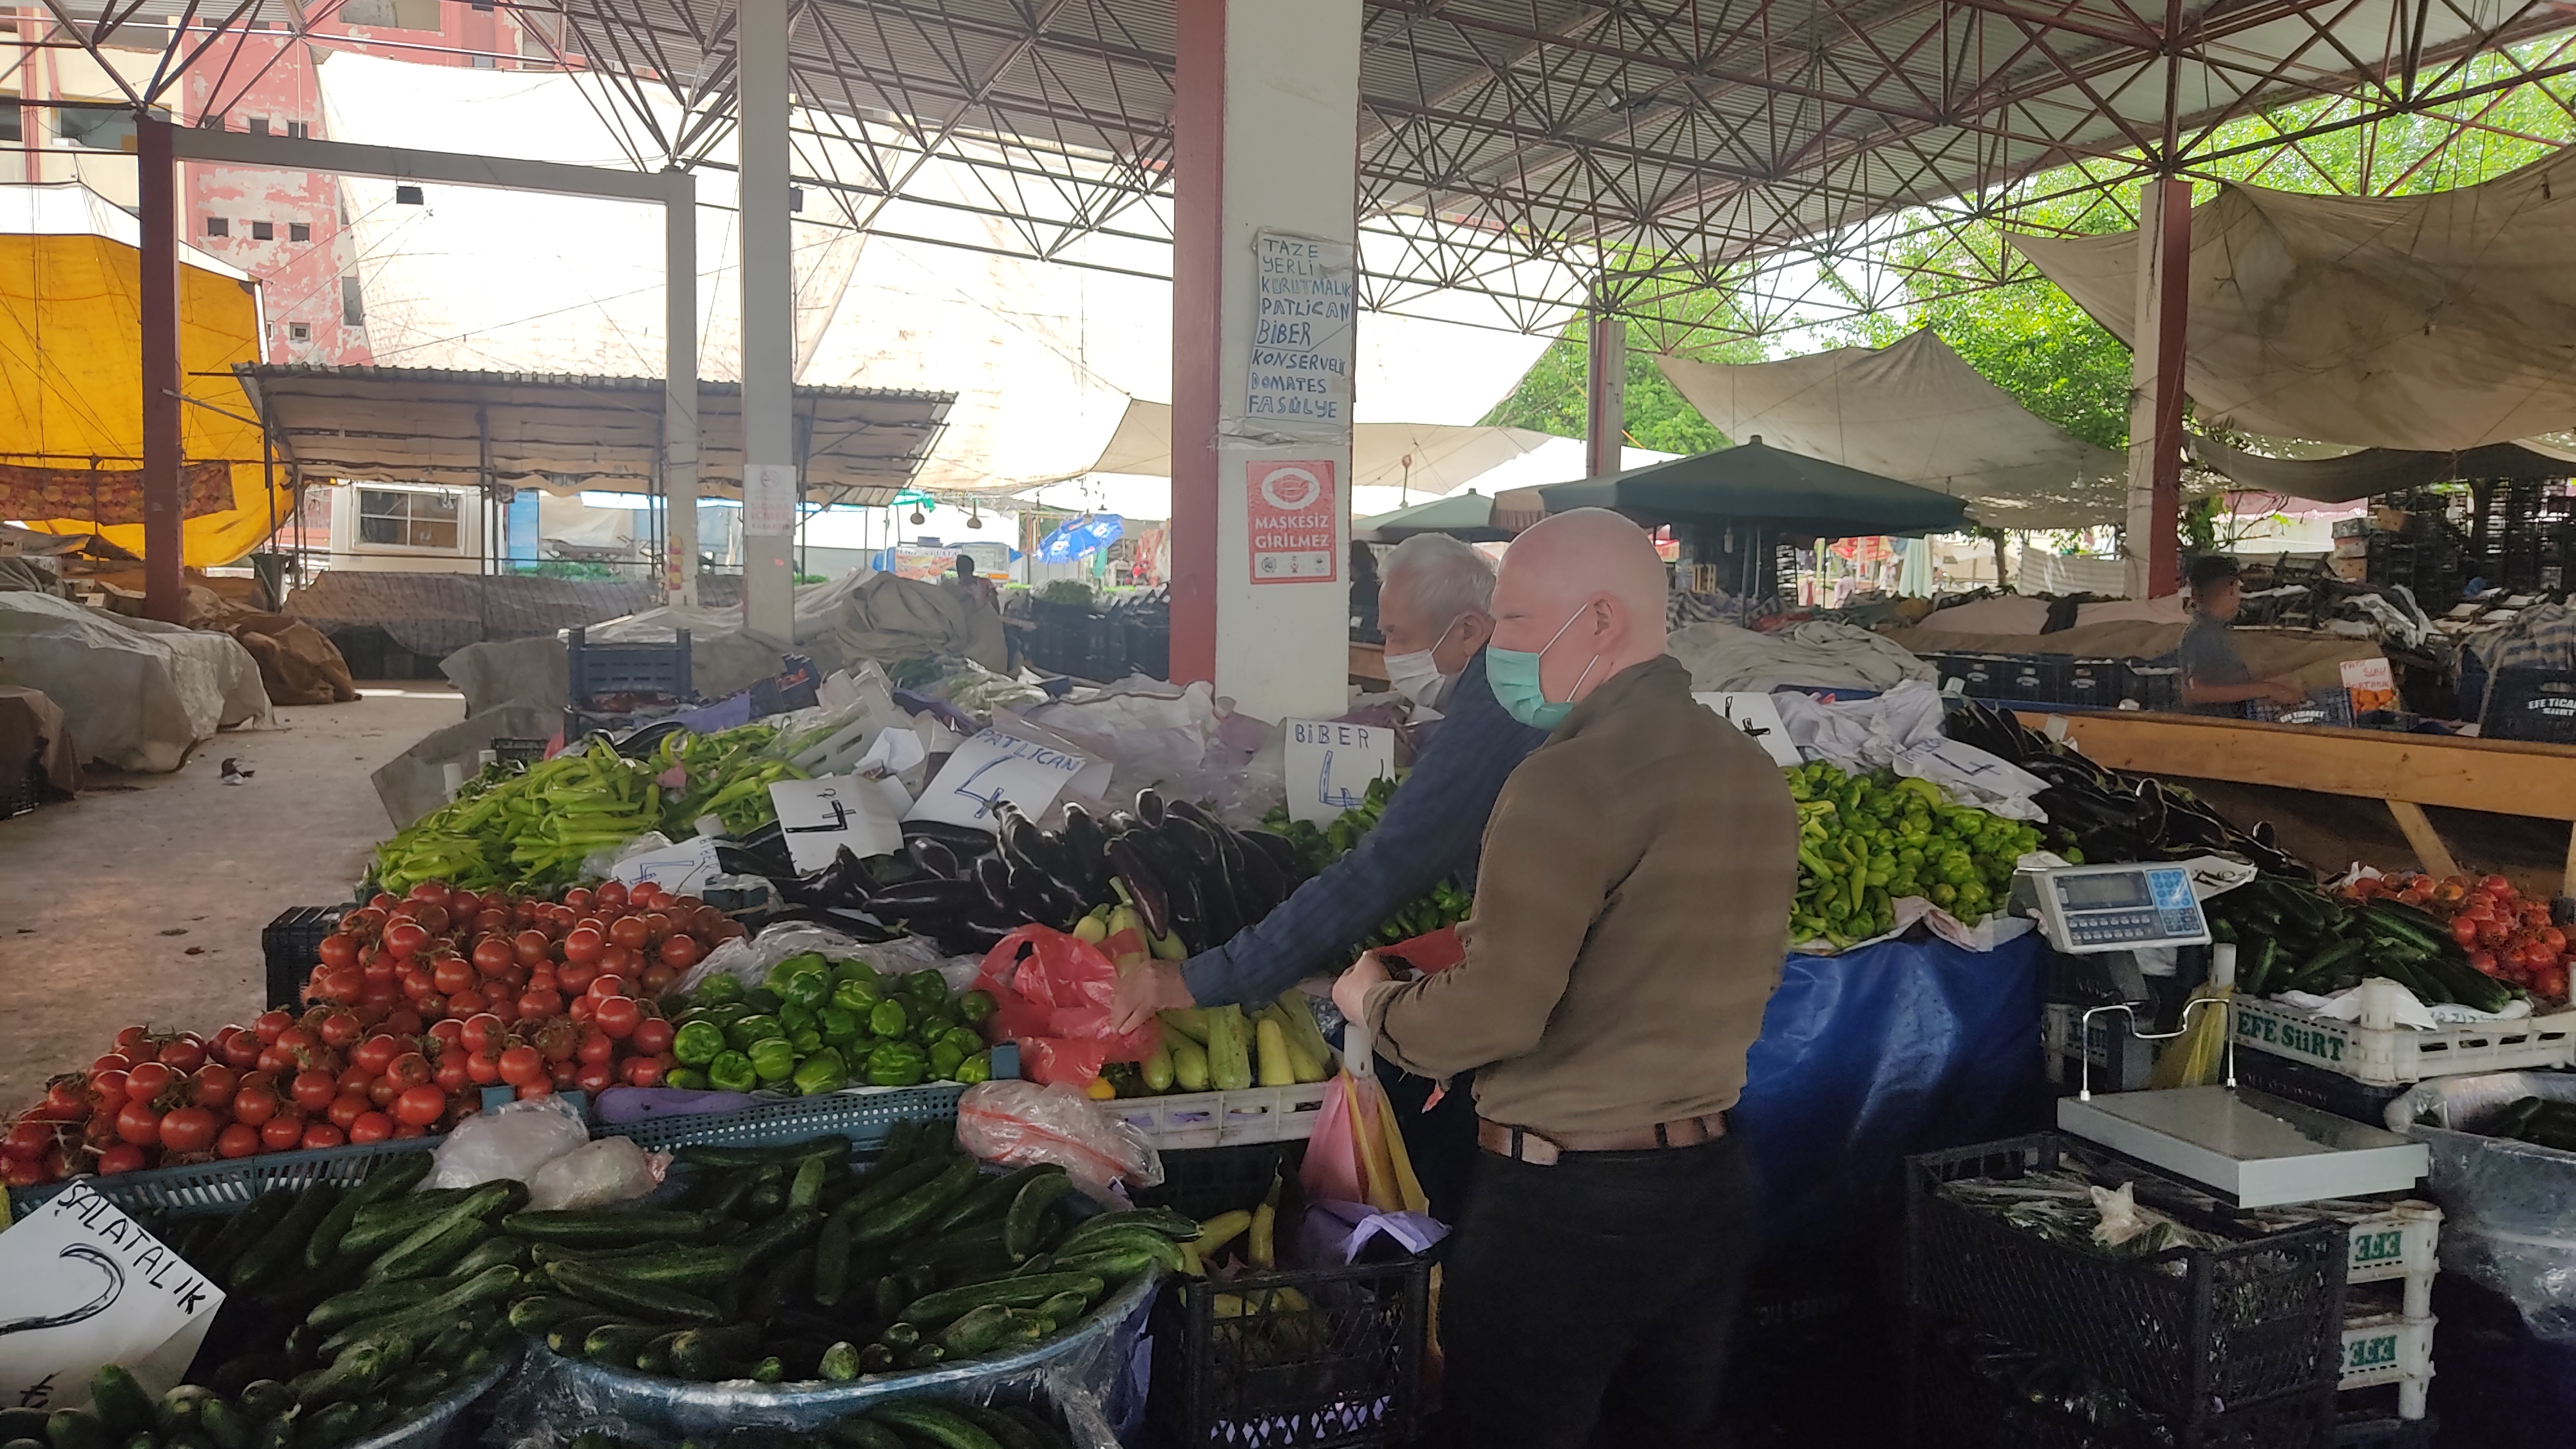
(87, 1286)
(1330, 766)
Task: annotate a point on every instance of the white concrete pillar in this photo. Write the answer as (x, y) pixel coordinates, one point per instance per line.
(680, 390)
(1264, 302)
(2149, 543)
(1605, 394)
(768, 325)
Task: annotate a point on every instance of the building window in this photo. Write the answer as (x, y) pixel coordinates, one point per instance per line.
(298, 130)
(485, 62)
(398, 14)
(217, 226)
(262, 231)
(299, 231)
(12, 130)
(256, 125)
(299, 332)
(407, 520)
(353, 303)
(96, 130)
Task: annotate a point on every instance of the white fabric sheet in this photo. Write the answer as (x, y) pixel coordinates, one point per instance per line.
(136, 694)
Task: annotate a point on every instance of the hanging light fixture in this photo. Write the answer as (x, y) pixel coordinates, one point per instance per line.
(974, 516)
(919, 518)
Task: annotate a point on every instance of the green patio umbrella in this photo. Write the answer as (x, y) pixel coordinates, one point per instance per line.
(1466, 515)
(1799, 496)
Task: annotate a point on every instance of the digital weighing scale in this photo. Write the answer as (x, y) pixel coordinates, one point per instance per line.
(2086, 910)
(2255, 1148)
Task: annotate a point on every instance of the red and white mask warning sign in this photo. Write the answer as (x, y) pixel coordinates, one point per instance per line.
(1293, 521)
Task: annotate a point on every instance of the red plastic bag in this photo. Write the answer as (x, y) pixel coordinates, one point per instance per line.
(1429, 953)
(1051, 994)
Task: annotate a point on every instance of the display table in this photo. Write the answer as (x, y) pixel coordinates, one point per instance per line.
(1368, 662)
(2407, 771)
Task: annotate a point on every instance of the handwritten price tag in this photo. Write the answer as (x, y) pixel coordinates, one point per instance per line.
(87, 1286)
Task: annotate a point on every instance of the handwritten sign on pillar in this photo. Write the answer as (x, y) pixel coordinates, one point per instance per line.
(1305, 300)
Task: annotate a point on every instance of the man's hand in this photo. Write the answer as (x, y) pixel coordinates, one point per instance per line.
(1351, 989)
(2283, 694)
(1153, 986)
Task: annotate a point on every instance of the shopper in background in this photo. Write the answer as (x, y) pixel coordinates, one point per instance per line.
(973, 584)
(1631, 915)
(2214, 677)
(1432, 606)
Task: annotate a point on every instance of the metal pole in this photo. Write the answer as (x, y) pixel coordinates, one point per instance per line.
(164, 585)
(1605, 390)
(768, 323)
(680, 390)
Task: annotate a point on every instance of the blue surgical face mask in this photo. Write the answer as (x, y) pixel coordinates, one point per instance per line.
(1513, 676)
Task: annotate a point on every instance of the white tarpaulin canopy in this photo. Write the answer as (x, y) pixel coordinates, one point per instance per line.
(2433, 322)
(1426, 458)
(1917, 412)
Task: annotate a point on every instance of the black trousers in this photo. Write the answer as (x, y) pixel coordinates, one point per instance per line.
(1441, 1142)
(1590, 1301)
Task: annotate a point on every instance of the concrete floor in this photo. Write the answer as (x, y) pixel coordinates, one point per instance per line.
(142, 900)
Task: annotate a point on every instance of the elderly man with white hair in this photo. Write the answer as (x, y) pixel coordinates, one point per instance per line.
(1632, 906)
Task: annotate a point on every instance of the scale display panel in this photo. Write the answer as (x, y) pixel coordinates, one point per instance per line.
(2085, 909)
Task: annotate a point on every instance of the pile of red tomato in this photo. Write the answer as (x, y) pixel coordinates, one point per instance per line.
(2504, 934)
(419, 1004)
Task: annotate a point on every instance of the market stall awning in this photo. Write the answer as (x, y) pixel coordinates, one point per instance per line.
(71, 380)
(2376, 470)
(1468, 515)
(2428, 322)
(1754, 482)
(1425, 457)
(567, 433)
(1915, 411)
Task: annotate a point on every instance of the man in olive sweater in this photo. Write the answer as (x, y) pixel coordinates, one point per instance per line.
(1632, 908)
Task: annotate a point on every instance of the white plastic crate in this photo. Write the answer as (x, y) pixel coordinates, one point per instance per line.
(2389, 1056)
(2392, 1242)
(1221, 1119)
(2389, 1348)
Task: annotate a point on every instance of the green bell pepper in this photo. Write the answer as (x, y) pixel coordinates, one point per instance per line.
(897, 1064)
(761, 999)
(698, 1043)
(888, 1018)
(794, 966)
(945, 1059)
(774, 1060)
(977, 1068)
(930, 1026)
(822, 1072)
(975, 1005)
(926, 986)
(805, 1043)
(754, 1029)
(839, 1025)
(808, 988)
(687, 1079)
(968, 1040)
(855, 994)
(731, 1071)
(718, 990)
(854, 969)
(797, 1018)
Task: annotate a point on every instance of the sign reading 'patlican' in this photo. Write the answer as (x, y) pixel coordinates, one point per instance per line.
(1292, 520)
(1306, 297)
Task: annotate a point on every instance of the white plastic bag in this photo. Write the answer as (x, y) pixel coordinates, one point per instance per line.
(510, 1142)
(1021, 1124)
(612, 1169)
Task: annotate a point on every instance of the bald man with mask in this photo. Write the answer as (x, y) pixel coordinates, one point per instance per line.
(1632, 906)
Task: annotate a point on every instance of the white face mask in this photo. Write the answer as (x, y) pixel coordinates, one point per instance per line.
(1416, 676)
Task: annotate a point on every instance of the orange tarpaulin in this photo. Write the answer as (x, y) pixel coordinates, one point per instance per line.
(71, 372)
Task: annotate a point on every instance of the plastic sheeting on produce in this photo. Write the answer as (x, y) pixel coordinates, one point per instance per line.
(1917, 412)
(2509, 1207)
(2436, 321)
(136, 694)
(434, 615)
(1876, 1054)
(1901, 730)
(1818, 652)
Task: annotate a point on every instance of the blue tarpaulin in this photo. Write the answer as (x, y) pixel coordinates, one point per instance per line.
(1867, 1057)
(1072, 539)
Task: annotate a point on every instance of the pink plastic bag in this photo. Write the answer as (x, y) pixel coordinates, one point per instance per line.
(1331, 1171)
(1021, 1124)
(1051, 994)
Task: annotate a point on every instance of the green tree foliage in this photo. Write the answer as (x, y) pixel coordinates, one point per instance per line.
(1551, 395)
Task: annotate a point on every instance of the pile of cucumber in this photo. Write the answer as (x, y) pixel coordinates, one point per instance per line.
(2290, 936)
(789, 1264)
(347, 1312)
(904, 1424)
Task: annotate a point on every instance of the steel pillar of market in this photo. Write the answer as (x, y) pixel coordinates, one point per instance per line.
(1266, 140)
(157, 190)
(769, 489)
(2156, 388)
(680, 389)
(1605, 394)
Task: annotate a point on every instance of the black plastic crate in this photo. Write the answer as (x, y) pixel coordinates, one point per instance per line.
(1986, 676)
(2187, 1333)
(2530, 704)
(292, 945)
(20, 795)
(2096, 683)
(1316, 1358)
(2155, 684)
(1968, 1392)
(1206, 1181)
(2038, 678)
(2314, 1086)
(2377, 1431)
(518, 749)
(592, 670)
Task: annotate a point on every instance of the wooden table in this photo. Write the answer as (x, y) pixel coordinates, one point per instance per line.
(2409, 772)
(1368, 663)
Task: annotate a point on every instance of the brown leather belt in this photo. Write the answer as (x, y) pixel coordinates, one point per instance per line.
(1542, 1149)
